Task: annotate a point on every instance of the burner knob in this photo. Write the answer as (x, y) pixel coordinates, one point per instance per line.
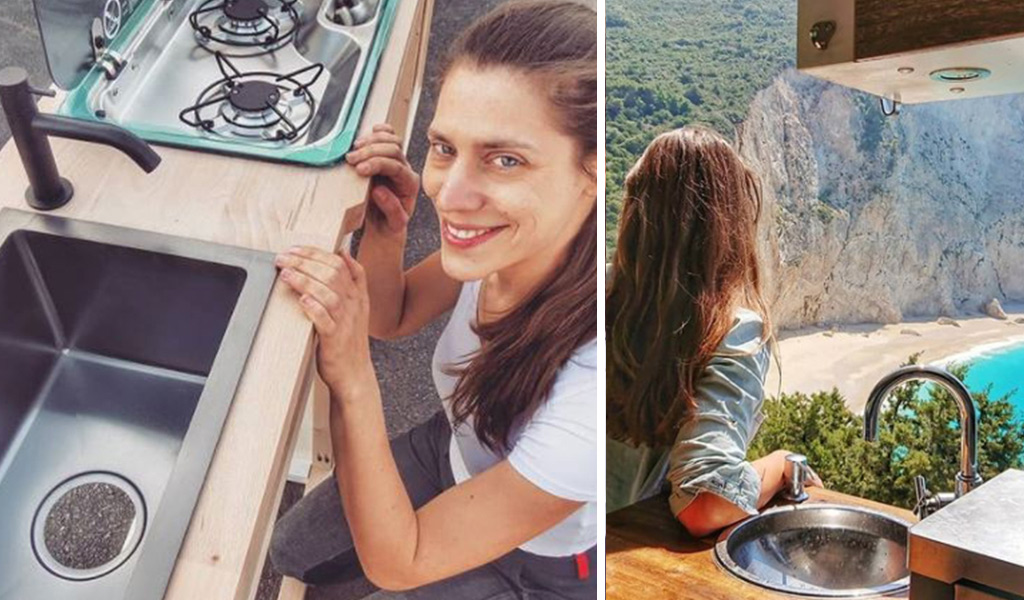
(353, 12)
(342, 16)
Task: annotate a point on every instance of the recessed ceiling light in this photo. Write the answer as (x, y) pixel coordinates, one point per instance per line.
(960, 74)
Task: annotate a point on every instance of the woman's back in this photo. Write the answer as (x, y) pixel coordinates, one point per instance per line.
(688, 332)
(729, 393)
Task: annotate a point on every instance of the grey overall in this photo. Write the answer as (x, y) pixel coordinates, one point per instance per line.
(312, 543)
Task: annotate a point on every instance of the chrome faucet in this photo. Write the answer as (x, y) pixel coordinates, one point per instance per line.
(31, 130)
(968, 478)
(798, 472)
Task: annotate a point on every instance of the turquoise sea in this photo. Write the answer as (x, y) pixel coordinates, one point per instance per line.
(1002, 366)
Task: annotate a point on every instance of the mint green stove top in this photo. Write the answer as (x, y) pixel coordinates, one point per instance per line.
(282, 80)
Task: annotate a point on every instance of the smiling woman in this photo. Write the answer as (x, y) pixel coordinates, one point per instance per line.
(496, 496)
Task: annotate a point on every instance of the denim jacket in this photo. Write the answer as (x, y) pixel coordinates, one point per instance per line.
(709, 453)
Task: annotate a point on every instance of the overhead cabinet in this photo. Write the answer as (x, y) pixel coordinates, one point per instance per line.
(914, 51)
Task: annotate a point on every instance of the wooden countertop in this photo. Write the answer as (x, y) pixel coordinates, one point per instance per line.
(651, 557)
(259, 205)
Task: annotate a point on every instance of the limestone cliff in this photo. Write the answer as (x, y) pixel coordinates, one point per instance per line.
(875, 219)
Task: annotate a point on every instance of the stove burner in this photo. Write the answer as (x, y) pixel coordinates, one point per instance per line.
(247, 27)
(257, 104)
(245, 10)
(254, 96)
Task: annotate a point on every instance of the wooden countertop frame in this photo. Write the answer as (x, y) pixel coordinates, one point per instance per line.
(264, 206)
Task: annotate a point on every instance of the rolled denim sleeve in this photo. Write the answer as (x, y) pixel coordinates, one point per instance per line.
(709, 454)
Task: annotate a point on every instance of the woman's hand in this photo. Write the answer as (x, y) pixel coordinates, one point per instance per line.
(395, 185)
(332, 293)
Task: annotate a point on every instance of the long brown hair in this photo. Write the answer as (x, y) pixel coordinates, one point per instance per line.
(503, 384)
(686, 258)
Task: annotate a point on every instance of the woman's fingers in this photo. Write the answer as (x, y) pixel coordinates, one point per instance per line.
(356, 270)
(380, 155)
(381, 137)
(379, 128)
(326, 267)
(360, 286)
(307, 286)
(318, 270)
(318, 315)
(393, 209)
(330, 259)
(373, 149)
(383, 165)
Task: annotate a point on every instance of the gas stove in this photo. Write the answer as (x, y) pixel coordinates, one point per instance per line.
(283, 80)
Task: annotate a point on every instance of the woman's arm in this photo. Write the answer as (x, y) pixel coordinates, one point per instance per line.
(709, 512)
(399, 547)
(402, 302)
(713, 484)
(405, 302)
(467, 526)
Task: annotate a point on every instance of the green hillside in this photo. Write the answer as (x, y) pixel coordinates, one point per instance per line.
(676, 62)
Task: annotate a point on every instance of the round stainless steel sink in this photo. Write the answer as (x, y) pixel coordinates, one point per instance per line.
(819, 550)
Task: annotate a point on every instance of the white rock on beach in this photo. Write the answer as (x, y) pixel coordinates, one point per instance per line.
(994, 309)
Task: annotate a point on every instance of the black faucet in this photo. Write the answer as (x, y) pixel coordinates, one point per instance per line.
(31, 130)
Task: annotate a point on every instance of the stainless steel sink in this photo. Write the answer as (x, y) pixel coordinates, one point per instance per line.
(120, 352)
(819, 550)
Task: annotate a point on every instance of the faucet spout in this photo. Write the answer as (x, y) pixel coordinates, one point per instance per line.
(968, 478)
(31, 132)
(101, 133)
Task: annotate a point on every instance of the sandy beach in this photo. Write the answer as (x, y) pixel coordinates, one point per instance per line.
(854, 357)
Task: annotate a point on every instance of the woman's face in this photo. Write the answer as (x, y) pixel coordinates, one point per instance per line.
(508, 185)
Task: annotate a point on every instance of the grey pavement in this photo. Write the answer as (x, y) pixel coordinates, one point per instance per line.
(403, 366)
(20, 46)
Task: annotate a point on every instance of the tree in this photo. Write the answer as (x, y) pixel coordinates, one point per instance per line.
(919, 434)
(680, 62)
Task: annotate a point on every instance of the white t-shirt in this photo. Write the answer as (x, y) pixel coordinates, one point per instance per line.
(556, 450)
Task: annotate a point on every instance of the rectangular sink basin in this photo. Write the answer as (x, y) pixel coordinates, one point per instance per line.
(120, 352)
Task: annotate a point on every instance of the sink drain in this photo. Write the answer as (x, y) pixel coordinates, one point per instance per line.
(88, 525)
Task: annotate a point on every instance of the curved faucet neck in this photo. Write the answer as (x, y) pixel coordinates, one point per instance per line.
(968, 478)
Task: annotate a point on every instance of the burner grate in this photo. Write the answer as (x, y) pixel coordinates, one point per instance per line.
(258, 105)
(245, 27)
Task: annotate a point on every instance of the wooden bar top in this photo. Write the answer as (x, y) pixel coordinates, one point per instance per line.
(651, 557)
(259, 205)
